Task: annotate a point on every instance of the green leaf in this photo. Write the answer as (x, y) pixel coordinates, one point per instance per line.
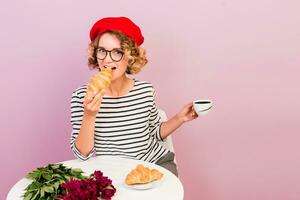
(46, 181)
(55, 166)
(34, 175)
(67, 177)
(47, 176)
(37, 184)
(28, 197)
(35, 196)
(42, 192)
(49, 189)
(56, 185)
(77, 170)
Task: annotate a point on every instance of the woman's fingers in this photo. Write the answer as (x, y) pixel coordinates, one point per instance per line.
(98, 101)
(86, 101)
(93, 105)
(98, 97)
(191, 111)
(194, 114)
(89, 98)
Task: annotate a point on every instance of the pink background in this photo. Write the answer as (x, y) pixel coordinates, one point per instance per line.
(244, 55)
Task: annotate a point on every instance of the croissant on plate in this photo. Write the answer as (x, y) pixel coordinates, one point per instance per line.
(99, 81)
(142, 175)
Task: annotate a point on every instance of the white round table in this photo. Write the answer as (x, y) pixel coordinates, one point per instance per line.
(116, 169)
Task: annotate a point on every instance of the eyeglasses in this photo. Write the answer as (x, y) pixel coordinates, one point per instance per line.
(115, 54)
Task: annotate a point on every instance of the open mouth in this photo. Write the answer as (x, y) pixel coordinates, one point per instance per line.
(112, 67)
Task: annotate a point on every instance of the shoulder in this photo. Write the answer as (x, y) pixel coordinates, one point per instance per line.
(79, 92)
(143, 85)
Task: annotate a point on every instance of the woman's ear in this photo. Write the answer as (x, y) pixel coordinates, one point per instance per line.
(128, 70)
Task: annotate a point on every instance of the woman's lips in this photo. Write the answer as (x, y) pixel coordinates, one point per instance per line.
(112, 67)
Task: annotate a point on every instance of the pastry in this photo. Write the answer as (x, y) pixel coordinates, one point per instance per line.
(99, 81)
(142, 175)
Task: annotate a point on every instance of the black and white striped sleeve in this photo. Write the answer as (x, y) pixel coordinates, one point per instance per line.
(155, 120)
(76, 121)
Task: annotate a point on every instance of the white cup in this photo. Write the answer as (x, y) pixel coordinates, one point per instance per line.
(202, 106)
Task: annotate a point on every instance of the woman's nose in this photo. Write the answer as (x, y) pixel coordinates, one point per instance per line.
(108, 58)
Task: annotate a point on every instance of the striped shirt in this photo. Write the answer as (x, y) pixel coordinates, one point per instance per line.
(125, 126)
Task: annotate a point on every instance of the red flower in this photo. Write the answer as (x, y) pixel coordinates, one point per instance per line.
(94, 188)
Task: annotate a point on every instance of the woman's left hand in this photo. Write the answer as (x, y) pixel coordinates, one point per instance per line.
(187, 113)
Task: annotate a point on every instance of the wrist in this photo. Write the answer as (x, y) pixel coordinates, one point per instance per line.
(89, 116)
(179, 119)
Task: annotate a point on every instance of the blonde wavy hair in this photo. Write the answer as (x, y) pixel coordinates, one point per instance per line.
(136, 56)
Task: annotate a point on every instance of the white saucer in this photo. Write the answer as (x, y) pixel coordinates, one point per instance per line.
(146, 186)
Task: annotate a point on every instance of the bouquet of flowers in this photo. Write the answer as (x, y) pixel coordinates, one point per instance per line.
(56, 181)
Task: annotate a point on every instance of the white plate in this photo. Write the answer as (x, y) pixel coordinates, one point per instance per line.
(146, 186)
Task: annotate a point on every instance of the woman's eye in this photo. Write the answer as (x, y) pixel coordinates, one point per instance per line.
(101, 50)
(118, 52)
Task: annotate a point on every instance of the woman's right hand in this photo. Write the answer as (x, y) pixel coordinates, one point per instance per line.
(92, 105)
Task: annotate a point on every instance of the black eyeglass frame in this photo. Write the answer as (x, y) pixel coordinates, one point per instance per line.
(107, 51)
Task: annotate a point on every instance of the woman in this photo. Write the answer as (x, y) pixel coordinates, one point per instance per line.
(122, 120)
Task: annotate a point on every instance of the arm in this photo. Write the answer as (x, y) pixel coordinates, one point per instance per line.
(85, 139)
(82, 142)
(162, 130)
(186, 114)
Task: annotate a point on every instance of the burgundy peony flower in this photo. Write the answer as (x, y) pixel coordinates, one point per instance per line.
(94, 188)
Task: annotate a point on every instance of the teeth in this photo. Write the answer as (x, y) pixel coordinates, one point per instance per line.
(112, 67)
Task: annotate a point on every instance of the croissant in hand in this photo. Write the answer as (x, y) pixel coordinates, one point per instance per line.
(142, 175)
(99, 81)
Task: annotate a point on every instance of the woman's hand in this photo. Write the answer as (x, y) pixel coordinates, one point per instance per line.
(92, 106)
(187, 113)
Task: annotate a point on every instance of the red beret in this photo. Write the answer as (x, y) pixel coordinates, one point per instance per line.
(121, 24)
